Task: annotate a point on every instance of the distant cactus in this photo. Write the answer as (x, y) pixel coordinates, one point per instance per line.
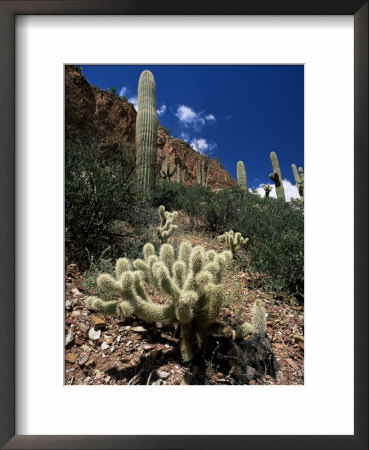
(241, 176)
(192, 280)
(299, 178)
(267, 188)
(276, 176)
(233, 241)
(178, 174)
(166, 227)
(167, 173)
(258, 321)
(146, 134)
(202, 173)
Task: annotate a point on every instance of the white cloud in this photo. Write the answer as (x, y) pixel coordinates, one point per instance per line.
(290, 190)
(210, 118)
(185, 136)
(188, 117)
(134, 100)
(161, 110)
(202, 145)
(123, 91)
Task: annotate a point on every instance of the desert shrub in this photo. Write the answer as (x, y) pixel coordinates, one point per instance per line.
(97, 193)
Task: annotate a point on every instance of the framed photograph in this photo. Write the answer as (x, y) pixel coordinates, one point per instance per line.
(168, 280)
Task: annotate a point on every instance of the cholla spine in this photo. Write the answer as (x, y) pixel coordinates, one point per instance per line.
(241, 176)
(276, 176)
(233, 241)
(192, 280)
(167, 173)
(146, 134)
(267, 188)
(166, 227)
(202, 173)
(299, 178)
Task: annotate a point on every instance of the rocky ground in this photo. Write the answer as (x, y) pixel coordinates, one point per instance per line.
(110, 351)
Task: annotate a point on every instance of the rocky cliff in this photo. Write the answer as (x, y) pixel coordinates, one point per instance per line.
(110, 121)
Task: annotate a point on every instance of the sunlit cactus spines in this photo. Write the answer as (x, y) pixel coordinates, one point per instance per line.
(258, 321)
(241, 176)
(167, 226)
(191, 279)
(233, 241)
(299, 178)
(167, 173)
(276, 176)
(268, 189)
(202, 173)
(146, 134)
(259, 317)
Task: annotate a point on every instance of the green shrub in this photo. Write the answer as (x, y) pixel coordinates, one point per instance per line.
(97, 193)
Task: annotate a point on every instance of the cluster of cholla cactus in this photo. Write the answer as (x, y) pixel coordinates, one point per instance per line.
(166, 227)
(299, 178)
(241, 176)
(233, 241)
(202, 173)
(167, 173)
(192, 280)
(268, 189)
(276, 176)
(146, 134)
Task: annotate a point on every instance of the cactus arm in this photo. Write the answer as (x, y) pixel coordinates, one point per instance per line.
(276, 176)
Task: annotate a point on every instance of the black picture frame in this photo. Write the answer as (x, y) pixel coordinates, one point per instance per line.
(8, 11)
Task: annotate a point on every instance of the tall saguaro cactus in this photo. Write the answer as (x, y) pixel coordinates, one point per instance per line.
(202, 173)
(241, 176)
(146, 134)
(299, 178)
(276, 176)
(167, 173)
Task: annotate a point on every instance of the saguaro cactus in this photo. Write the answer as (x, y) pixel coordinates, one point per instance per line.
(276, 176)
(267, 188)
(241, 176)
(233, 241)
(166, 227)
(299, 178)
(146, 134)
(167, 173)
(202, 173)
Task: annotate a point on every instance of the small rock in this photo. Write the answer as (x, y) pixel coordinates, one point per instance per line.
(104, 346)
(107, 379)
(292, 364)
(85, 347)
(109, 340)
(98, 374)
(94, 334)
(162, 374)
(252, 382)
(276, 345)
(128, 343)
(75, 291)
(87, 379)
(82, 326)
(71, 357)
(84, 359)
(69, 321)
(147, 347)
(69, 339)
(112, 348)
(119, 338)
(138, 329)
(99, 324)
(68, 304)
(167, 346)
(76, 313)
(89, 362)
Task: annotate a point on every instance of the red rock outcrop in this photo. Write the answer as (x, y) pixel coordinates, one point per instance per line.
(110, 121)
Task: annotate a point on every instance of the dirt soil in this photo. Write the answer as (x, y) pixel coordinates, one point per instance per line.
(110, 351)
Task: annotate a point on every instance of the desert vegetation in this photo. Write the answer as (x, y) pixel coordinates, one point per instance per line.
(171, 282)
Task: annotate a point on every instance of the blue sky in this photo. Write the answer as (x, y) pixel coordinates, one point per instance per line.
(234, 112)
